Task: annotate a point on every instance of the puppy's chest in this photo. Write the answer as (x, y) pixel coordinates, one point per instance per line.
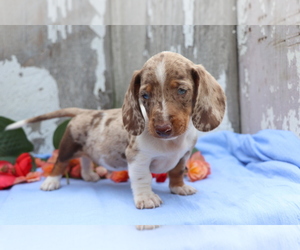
(168, 155)
(163, 164)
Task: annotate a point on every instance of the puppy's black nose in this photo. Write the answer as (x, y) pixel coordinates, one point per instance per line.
(163, 130)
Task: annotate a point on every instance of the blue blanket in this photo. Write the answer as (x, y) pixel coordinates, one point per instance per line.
(255, 180)
(164, 238)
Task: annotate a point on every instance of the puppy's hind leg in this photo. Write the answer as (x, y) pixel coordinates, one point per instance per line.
(87, 170)
(68, 149)
(52, 182)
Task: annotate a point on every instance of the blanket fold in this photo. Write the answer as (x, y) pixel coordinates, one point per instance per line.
(269, 152)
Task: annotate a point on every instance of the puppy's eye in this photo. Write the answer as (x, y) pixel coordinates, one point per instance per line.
(145, 96)
(181, 91)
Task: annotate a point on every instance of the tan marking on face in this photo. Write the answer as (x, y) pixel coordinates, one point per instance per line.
(180, 117)
(149, 88)
(174, 84)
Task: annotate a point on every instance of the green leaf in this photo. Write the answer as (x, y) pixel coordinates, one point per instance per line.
(59, 132)
(194, 150)
(34, 166)
(11, 159)
(13, 142)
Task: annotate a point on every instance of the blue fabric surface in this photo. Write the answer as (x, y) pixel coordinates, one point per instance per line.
(257, 177)
(163, 238)
(255, 180)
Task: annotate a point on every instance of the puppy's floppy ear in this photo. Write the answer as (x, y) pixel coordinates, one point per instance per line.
(209, 100)
(133, 119)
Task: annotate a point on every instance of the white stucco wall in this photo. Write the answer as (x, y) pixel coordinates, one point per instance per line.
(27, 92)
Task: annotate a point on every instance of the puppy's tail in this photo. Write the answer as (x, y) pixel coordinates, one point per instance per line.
(68, 112)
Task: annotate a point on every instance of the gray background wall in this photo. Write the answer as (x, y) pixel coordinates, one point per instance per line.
(61, 64)
(88, 70)
(269, 65)
(118, 12)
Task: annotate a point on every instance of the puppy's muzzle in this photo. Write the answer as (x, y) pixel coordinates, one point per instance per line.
(164, 130)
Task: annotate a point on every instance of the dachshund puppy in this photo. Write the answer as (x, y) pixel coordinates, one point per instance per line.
(167, 101)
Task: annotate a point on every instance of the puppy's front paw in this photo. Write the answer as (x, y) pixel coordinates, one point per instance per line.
(183, 190)
(147, 200)
(91, 176)
(51, 183)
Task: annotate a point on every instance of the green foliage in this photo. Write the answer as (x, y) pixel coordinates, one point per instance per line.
(194, 150)
(34, 166)
(59, 132)
(11, 159)
(13, 142)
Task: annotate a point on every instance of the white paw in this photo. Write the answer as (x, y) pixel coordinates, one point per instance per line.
(146, 227)
(90, 176)
(51, 183)
(183, 190)
(147, 200)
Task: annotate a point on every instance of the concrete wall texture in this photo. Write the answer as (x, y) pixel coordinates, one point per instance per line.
(269, 65)
(48, 61)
